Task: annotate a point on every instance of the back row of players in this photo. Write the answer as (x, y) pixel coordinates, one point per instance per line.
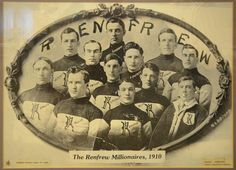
(114, 95)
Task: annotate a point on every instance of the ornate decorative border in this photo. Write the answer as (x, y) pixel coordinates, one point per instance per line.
(14, 70)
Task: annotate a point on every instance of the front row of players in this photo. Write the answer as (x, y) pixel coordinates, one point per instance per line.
(126, 118)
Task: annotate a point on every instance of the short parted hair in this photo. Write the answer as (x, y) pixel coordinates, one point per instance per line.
(167, 30)
(70, 30)
(127, 80)
(93, 41)
(112, 56)
(184, 78)
(77, 69)
(189, 46)
(133, 45)
(152, 67)
(44, 59)
(116, 20)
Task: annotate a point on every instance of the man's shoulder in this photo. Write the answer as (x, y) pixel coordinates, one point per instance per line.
(27, 93)
(174, 78)
(155, 60)
(202, 79)
(99, 90)
(163, 100)
(94, 109)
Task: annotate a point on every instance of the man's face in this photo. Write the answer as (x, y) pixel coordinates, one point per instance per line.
(43, 72)
(167, 43)
(112, 69)
(115, 32)
(126, 92)
(70, 44)
(189, 58)
(92, 53)
(149, 78)
(133, 60)
(76, 86)
(186, 90)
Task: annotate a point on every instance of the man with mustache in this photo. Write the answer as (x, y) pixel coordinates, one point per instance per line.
(167, 62)
(181, 117)
(38, 103)
(204, 88)
(92, 56)
(70, 43)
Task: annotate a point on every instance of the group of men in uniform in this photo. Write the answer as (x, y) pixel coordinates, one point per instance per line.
(114, 96)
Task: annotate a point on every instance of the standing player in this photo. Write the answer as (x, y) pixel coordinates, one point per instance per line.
(127, 127)
(92, 56)
(167, 62)
(70, 43)
(147, 98)
(106, 97)
(190, 61)
(134, 62)
(75, 119)
(115, 30)
(38, 103)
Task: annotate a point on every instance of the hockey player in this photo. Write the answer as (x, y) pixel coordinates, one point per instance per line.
(75, 120)
(38, 103)
(190, 61)
(181, 117)
(106, 97)
(92, 56)
(127, 127)
(115, 30)
(70, 43)
(147, 98)
(134, 61)
(167, 62)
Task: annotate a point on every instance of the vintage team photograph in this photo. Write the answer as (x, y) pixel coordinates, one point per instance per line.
(111, 77)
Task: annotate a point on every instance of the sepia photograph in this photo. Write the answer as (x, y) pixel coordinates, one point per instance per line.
(118, 85)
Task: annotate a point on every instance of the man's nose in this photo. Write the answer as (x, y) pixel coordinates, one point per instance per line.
(113, 33)
(112, 69)
(73, 85)
(127, 92)
(133, 60)
(148, 78)
(40, 72)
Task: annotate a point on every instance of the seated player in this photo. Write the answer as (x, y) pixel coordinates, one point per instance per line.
(127, 127)
(147, 98)
(134, 62)
(70, 43)
(106, 97)
(92, 56)
(181, 117)
(38, 103)
(75, 119)
(204, 88)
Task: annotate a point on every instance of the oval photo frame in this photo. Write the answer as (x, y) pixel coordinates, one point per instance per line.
(12, 82)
